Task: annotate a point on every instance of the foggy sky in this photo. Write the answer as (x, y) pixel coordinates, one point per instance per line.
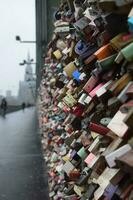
(17, 17)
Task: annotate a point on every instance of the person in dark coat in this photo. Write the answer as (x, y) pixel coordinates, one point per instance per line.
(23, 105)
(4, 106)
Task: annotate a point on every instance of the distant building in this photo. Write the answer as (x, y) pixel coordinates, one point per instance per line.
(11, 100)
(27, 87)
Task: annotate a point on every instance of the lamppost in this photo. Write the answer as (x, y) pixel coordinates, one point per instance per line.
(43, 43)
(30, 82)
(18, 38)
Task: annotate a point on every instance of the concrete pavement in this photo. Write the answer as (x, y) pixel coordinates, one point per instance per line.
(21, 164)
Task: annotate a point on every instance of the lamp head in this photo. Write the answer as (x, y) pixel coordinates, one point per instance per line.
(18, 38)
(21, 64)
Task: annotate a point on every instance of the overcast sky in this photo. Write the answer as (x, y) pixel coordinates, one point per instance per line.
(17, 17)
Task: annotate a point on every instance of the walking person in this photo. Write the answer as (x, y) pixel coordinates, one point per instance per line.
(23, 106)
(4, 106)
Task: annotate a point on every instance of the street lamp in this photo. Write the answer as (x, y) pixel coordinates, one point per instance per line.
(18, 38)
(25, 62)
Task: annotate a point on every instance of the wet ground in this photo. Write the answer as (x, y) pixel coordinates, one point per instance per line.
(21, 164)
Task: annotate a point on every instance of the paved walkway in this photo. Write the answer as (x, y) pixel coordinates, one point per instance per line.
(21, 164)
